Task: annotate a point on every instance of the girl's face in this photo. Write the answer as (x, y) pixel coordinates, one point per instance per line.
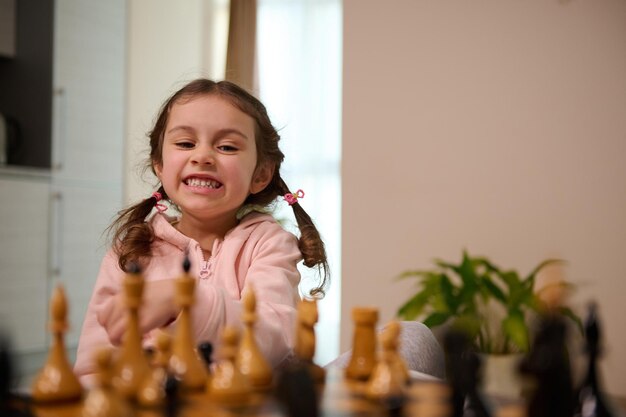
(209, 158)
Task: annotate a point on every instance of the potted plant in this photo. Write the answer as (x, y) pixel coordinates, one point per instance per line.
(493, 305)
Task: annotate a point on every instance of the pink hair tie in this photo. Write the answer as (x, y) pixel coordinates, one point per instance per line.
(292, 198)
(158, 197)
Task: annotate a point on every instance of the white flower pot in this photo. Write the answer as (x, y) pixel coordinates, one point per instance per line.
(500, 375)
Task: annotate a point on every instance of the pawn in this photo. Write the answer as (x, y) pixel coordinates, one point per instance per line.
(185, 364)
(363, 357)
(392, 332)
(228, 386)
(131, 364)
(103, 400)
(387, 382)
(305, 338)
(250, 360)
(591, 401)
(152, 390)
(56, 381)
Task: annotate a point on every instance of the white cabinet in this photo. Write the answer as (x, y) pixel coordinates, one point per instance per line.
(79, 243)
(88, 142)
(24, 258)
(54, 222)
(89, 79)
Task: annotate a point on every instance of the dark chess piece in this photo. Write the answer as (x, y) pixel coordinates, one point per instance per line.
(6, 377)
(548, 363)
(172, 400)
(296, 391)
(462, 368)
(206, 353)
(11, 405)
(591, 401)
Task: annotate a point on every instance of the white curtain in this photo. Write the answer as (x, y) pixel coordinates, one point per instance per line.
(299, 69)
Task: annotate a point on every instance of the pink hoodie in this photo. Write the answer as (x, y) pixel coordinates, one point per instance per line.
(258, 251)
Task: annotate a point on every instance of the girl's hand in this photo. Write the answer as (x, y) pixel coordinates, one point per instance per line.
(157, 309)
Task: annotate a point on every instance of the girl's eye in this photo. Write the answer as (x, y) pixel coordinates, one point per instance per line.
(227, 148)
(185, 145)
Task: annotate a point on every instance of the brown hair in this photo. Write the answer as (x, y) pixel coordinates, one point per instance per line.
(132, 236)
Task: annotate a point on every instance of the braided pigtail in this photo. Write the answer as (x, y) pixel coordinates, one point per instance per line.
(132, 236)
(310, 243)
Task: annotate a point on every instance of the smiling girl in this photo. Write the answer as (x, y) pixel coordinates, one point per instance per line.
(215, 153)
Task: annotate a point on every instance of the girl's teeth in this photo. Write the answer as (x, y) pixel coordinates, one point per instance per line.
(196, 182)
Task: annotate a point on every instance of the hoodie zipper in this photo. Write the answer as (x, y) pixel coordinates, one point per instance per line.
(205, 269)
(207, 264)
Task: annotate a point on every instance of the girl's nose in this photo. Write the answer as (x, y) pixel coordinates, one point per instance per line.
(203, 156)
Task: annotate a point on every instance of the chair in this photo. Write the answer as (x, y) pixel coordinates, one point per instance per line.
(417, 345)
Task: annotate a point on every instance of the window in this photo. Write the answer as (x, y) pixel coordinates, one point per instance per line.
(299, 66)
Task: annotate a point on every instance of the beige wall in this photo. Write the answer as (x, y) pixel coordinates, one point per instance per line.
(498, 126)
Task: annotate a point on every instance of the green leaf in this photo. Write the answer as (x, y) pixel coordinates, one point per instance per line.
(446, 265)
(467, 273)
(542, 265)
(416, 273)
(515, 289)
(494, 290)
(436, 319)
(487, 264)
(414, 306)
(515, 329)
(447, 292)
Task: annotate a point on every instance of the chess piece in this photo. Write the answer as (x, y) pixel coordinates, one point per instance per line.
(296, 391)
(56, 381)
(131, 365)
(185, 364)
(206, 353)
(305, 338)
(591, 401)
(172, 400)
(228, 386)
(392, 337)
(103, 400)
(463, 366)
(6, 377)
(250, 360)
(363, 357)
(14, 404)
(387, 382)
(6, 370)
(547, 363)
(152, 390)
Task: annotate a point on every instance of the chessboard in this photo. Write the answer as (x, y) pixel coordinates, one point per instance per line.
(180, 378)
(336, 398)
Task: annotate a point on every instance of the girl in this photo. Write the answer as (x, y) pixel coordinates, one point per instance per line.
(215, 153)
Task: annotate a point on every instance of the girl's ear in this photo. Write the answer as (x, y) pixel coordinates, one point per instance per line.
(262, 176)
(157, 169)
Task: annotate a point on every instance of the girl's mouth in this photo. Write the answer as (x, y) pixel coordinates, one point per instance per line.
(202, 182)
